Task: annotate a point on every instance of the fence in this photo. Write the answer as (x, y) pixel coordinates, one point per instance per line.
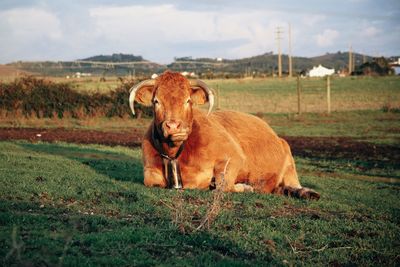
(289, 95)
(302, 84)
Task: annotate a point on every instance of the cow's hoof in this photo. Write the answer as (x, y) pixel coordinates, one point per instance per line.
(307, 193)
(243, 188)
(303, 193)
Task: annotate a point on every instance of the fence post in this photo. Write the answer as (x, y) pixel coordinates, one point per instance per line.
(298, 95)
(328, 93)
(218, 96)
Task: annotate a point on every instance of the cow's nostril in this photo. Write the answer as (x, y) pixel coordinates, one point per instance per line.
(173, 125)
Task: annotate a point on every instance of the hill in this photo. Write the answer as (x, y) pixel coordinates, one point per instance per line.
(339, 60)
(115, 58)
(127, 64)
(97, 68)
(264, 64)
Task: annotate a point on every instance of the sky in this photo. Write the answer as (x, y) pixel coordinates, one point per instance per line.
(33, 30)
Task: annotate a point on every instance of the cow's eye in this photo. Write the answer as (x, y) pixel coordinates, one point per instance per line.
(188, 100)
(155, 101)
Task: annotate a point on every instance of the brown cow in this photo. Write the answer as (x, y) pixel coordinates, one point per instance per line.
(237, 151)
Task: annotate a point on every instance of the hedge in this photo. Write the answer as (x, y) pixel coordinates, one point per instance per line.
(31, 96)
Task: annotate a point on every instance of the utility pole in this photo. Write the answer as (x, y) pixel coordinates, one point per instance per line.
(278, 39)
(350, 59)
(290, 52)
(364, 57)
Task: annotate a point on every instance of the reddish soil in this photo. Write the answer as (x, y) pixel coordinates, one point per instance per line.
(344, 148)
(312, 147)
(131, 139)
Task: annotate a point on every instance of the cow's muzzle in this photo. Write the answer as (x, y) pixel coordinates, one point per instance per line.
(174, 130)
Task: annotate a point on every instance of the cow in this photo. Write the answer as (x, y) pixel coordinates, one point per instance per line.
(186, 147)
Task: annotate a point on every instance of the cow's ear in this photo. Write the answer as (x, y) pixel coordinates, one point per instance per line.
(199, 96)
(144, 95)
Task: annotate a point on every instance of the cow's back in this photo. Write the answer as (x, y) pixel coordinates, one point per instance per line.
(264, 150)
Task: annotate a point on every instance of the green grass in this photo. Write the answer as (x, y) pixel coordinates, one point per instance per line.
(69, 205)
(369, 125)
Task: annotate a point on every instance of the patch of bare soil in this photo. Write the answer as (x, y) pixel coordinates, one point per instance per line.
(343, 148)
(131, 139)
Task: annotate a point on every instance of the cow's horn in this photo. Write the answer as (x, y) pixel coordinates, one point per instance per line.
(210, 94)
(133, 90)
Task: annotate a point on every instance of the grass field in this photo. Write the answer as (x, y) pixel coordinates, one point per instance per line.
(68, 205)
(99, 213)
(280, 96)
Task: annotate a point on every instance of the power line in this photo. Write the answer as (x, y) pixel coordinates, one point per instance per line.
(290, 52)
(350, 60)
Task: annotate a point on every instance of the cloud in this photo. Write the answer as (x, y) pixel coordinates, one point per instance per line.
(370, 32)
(160, 30)
(144, 28)
(31, 23)
(327, 38)
(312, 20)
(27, 32)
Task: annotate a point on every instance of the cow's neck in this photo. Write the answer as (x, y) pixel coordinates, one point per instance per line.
(172, 149)
(169, 154)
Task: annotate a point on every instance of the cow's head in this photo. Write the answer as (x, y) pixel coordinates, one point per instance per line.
(172, 97)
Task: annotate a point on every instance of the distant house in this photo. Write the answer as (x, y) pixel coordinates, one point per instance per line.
(396, 70)
(320, 71)
(82, 74)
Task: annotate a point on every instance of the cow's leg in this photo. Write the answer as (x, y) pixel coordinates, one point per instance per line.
(288, 181)
(154, 178)
(290, 186)
(288, 174)
(226, 172)
(153, 168)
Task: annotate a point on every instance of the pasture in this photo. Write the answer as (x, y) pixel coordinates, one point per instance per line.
(64, 204)
(280, 96)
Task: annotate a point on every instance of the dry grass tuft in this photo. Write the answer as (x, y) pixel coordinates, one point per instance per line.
(190, 215)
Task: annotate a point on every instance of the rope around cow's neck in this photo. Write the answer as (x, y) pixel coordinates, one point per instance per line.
(172, 171)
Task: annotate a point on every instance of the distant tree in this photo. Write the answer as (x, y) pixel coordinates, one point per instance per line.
(379, 66)
(183, 58)
(115, 58)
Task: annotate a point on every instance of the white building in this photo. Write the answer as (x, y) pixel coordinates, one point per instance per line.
(321, 71)
(82, 74)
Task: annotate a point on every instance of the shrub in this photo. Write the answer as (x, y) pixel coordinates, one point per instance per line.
(45, 99)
